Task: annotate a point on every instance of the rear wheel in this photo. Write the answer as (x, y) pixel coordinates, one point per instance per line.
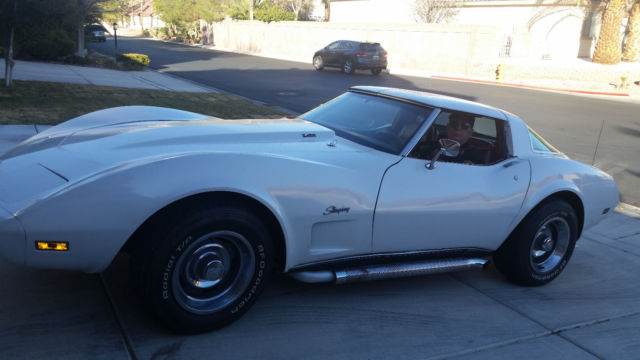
(318, 63)
(540, 247)
(376, 71)
(207, 269)
(347, 68)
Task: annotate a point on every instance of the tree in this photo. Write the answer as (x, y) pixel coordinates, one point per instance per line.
(87, 11)
(113, 10)
(631, 51)
(608, 49)
(295, 6)
(37, 29)
(327, 9)
(436, 11)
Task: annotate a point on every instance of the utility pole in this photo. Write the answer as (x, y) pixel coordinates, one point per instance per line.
(8, 66)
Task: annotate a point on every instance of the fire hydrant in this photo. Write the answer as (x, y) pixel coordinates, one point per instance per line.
(500, 72)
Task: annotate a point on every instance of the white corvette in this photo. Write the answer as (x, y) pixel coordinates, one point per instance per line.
(376, 183)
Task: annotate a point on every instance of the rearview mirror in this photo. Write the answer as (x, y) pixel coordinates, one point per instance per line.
(448, 147)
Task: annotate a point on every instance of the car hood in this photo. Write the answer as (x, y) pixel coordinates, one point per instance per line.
(118, 138)
(140, 127)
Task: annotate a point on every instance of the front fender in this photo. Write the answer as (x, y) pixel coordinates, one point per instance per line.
(99, 213)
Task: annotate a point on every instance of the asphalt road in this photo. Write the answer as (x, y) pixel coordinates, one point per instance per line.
(595, 130)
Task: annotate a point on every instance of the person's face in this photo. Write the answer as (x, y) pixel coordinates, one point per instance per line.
(459, 130)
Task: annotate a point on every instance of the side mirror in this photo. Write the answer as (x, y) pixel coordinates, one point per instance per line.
(448, 147)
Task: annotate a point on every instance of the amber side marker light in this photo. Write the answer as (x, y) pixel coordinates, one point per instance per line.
(52, 245)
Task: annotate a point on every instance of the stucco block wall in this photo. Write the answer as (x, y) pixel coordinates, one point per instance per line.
(428, 47)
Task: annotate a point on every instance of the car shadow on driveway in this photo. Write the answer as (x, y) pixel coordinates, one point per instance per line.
(472, 312)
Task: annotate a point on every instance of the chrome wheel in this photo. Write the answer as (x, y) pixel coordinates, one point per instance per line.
(348, 67)
(213, 272)
(540, 247)
(550, 244)
(318, 64)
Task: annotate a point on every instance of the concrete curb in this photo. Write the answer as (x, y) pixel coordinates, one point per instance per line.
(534, 87)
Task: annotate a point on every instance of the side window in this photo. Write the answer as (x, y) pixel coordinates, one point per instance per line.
(334, 45)
(539, 144)
(481, 138)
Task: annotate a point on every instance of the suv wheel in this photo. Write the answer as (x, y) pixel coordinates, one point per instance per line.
(318, 63)
(347, 68)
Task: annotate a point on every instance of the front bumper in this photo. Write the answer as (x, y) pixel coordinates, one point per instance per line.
(12, 238)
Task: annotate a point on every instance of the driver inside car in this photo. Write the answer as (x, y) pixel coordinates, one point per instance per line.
(460, 129)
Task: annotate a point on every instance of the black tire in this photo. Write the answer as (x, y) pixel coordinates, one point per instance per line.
(318, 63)
(207, 268)
(376, 71)
(348, 68)
(540, 247)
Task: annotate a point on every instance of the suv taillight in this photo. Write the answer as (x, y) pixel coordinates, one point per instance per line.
(361, 53)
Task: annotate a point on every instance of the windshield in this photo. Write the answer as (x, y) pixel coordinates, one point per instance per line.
(381, 123)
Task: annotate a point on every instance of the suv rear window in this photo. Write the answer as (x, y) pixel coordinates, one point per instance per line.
(371, 47)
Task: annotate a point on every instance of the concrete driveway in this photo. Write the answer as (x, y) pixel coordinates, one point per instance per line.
(592, 311)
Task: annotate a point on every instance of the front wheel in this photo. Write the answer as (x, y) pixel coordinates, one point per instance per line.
(318, 63)
(347, 68)
(540, 247)
(209, 267)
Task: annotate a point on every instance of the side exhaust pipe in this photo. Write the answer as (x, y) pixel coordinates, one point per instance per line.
(388, 271)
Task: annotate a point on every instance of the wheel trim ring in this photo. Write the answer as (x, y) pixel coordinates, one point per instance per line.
(234, 282)
(550, 245)
(317, 62)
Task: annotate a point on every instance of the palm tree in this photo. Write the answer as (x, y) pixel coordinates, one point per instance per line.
(631, 51)
(608, 49)
(327, 9)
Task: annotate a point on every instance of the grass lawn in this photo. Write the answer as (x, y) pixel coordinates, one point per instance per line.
(45, 103)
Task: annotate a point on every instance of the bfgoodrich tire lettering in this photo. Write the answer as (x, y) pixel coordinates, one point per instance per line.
(540, 247)
(208, 268)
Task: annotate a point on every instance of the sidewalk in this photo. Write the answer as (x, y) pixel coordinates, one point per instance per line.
(147, 79)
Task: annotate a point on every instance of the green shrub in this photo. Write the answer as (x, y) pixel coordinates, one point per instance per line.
(76, 60)
(53, 44)
(160, 33)
(240, 15)
(270, 12)
(146, 32)
(133, 59)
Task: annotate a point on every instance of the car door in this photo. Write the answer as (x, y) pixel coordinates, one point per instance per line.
(453, 205)
(330, 53)
(343, 52)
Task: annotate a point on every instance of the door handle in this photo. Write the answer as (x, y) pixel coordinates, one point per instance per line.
(510, 163)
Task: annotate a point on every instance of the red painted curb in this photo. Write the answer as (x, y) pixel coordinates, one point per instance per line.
(528, 86)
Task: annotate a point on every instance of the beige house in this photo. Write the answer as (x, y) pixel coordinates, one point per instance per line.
(140, 16)
(537, 29)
